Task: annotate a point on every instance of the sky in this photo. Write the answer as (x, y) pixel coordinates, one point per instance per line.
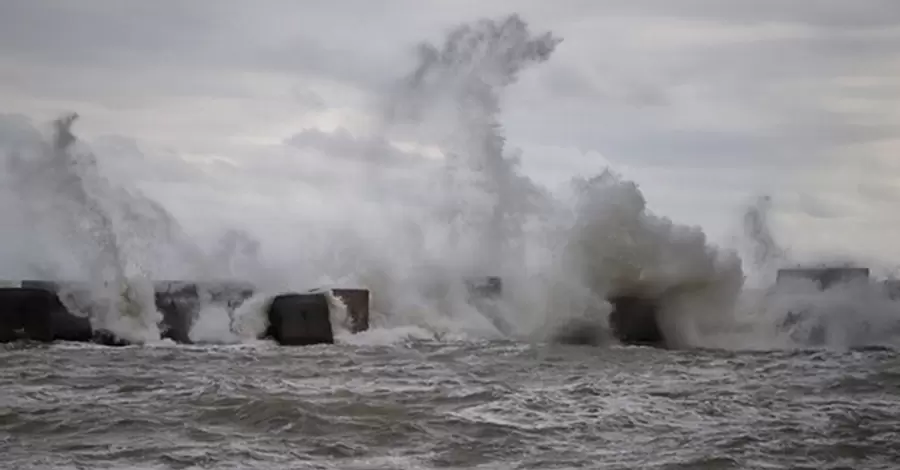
(227, 110)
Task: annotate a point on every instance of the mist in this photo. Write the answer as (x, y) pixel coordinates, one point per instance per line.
(412, 223)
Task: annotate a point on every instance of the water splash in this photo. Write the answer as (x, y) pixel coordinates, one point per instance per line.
(456, 87)
(474, 214)
(62, 188)
(766, 254)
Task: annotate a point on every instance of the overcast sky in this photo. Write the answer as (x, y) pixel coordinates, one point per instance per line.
(704, 103)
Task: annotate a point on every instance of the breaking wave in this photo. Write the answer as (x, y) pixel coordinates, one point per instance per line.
(466, 216)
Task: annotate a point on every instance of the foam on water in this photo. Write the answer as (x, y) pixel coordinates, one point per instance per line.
(473, 214)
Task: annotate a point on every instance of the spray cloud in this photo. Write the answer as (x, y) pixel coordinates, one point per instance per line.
(473, 214)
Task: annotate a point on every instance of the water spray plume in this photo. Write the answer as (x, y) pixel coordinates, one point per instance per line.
(466, 74)
(119, 290)
(566, 262)
(757, 228)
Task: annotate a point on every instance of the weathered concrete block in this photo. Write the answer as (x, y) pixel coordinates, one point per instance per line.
(800, 324)
(231, 294)
(175, 305)
(804, 328)
(892, 288)
(634, 321)
(180, 303)
(825, 277)
(46, 285)
(15, 303)
(488, 287)
(484, 294)
(357, 302)
(37, 314)
(108, 338)
(74, 295)
(579, 332)
(69, 327)
(300, 319)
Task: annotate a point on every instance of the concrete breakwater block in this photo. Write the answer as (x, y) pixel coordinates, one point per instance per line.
(634, 321)
(35, 311)
(488, 287)
(801, 325)
(824, 277)
(180, 303)
(108, 338)
(78, 296)
(357, 302)
(300, 319)
(891, 288)
(37, 314)
(484, 293)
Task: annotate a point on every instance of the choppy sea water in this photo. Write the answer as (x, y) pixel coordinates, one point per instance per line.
(490, 405)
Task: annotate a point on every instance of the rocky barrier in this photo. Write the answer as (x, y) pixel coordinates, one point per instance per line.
(36, 310)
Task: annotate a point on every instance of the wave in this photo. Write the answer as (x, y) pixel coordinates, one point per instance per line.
(473, 214)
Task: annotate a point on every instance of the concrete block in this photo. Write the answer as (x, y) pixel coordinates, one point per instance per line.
(71, 294)
(892, 288)
(108, 338)
(231, 294)
(300, 319)
(800, 324)
(180, 303)
(634, 321)
(51, 286)
(14, 305)
(69, 327)
(488, 287)
(825, 277)
(357, 302)
(580, 332)
(484, 294)
(37, 314)
(804, 328)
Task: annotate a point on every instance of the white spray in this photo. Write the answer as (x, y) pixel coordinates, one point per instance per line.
(558, 265)
(63, 188)
(797, 313)
(478, 215)
(112, 240)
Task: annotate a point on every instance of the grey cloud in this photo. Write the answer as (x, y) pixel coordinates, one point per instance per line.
(700, 122)
(824, 54)
(309, 99)
(790, 147)
(573, 83)
(124, 158)
(786, 89)
(16, 129)
(100, 31)
(830, 13)
(136, 36)
(343, 144)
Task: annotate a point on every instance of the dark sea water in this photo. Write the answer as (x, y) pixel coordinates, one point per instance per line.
(485, 405)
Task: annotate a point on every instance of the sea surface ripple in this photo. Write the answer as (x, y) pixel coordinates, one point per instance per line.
(425, 404)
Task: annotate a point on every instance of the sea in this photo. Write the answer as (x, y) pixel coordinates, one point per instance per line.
(427, 404)
(793, 380)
